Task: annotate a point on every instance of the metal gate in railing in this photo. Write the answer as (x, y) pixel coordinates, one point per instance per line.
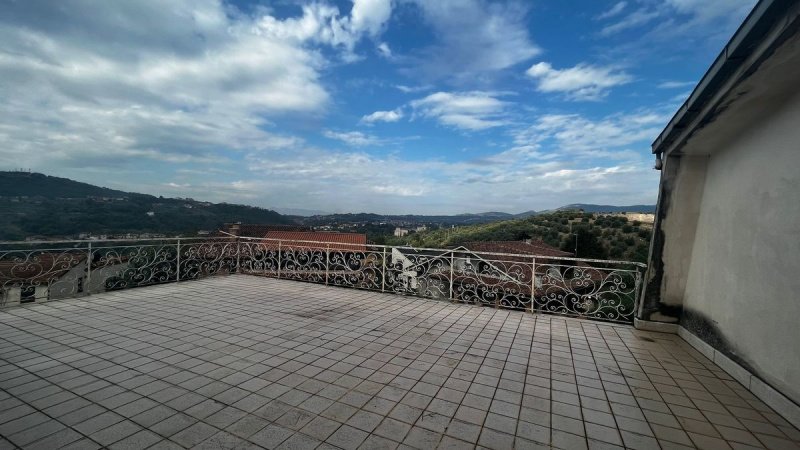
(597, 289)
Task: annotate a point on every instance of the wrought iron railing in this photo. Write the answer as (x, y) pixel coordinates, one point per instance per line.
(597, 289)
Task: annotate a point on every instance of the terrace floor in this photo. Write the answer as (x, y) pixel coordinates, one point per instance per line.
(249, 362)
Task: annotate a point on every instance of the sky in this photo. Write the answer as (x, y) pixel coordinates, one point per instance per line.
(386, 106)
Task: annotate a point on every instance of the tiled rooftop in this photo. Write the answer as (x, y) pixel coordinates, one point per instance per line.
(249, 362)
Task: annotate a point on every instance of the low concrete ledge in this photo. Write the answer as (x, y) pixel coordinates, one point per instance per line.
(660, 327)
(788, 409)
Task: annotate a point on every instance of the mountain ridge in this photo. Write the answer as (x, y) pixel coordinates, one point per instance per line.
(35, 204)
(39, 204)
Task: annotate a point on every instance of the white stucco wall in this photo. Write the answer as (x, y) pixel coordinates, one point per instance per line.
(680, 224)
(744, 269)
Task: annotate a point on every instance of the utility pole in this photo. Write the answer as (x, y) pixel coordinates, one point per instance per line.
(576, 245)
(576, 237)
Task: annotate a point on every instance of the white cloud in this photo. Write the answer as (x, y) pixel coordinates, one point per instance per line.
(352, 138)
(582, 82)
(120, 87)
(632, 20)
(557, 160)
(384, 50)
(473, 37)
(383, 116)
(413, 89)
(612, 136)
(123, 83)
(681, 17)
(475, 110)
(709, 10)
(676, 84)
(355, 181)
(370, 16)
(613, 11)
(322, 23)
(401, 190)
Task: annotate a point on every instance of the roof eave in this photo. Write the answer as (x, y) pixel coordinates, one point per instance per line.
(751, 36)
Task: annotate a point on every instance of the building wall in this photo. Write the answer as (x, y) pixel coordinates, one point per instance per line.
(742, 274)
(641, 217)
(688, 178)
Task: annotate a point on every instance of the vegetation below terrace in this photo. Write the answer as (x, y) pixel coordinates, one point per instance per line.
(599, 236)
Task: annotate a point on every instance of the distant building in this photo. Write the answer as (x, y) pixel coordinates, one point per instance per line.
(421, 228)
(638, 217)
(400, 232)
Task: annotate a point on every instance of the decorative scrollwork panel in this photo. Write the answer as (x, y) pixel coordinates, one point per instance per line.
(490, 282)
(356, 269)
(206, 258)
(131, 266)
(303, 264)
(586, 291)
(416, 273)
(256, 258)
(36, 275)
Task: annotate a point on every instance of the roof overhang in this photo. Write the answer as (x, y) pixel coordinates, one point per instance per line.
(769, 25)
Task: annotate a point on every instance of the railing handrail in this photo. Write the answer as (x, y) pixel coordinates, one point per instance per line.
(605, 289)
(456, 250)
(321, 244)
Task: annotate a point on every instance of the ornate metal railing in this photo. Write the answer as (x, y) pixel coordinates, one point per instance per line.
(597, 289)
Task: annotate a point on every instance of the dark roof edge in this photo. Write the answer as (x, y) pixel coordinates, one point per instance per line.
(753, 34)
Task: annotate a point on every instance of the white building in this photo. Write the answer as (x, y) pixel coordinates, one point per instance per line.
(400, 232)
(724, 267)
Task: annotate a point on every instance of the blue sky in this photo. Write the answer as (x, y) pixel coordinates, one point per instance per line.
(403, 106)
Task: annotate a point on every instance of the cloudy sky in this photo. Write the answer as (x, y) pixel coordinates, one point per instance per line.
(390, 106)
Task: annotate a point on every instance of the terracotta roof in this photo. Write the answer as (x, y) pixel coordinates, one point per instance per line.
(536, 248)
(38, 268)
(258, 230)
(355, 242)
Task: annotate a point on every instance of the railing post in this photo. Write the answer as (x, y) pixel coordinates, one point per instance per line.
(452, 269)
(327, 261)
(279, 259)
(383, 271)
(88, 269)
(533, 284)
(178, 272)
(636, 294)
(238, 255)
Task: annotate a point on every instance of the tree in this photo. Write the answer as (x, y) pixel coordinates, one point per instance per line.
(589, 245)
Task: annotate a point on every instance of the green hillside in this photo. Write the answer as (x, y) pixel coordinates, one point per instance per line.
(599, 236)
(41, 185)
(33, 204)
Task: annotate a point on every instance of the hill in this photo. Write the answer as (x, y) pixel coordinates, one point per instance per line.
(45, 186)
(585, 207)
(35, 204)
(598, 235)
(407, 219)
(458, 219)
